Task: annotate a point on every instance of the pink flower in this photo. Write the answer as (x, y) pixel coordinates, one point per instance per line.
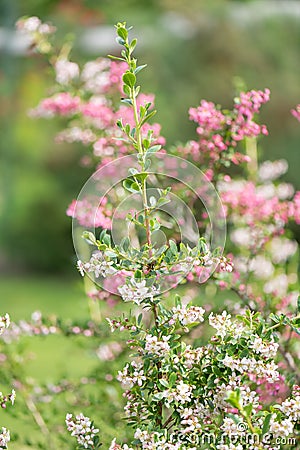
(296, 112)
(61, 104)
(90, 213)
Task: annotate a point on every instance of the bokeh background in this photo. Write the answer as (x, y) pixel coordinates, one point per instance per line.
(194, 49)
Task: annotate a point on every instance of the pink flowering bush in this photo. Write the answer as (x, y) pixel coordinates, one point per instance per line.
(195, 376)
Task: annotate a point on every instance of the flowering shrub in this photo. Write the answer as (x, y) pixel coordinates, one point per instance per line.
(195, 377)
(4, 399)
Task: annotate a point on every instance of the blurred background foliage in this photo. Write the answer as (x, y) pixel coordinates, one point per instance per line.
(194, 50)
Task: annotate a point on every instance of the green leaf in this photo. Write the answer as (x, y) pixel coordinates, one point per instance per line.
(129, 79)
(138, 274)
(162, 201)
(115, 57)
(164, 383)
(133, 171)
(248, 409)
(153, 149)
(173, 247)
(125, 243)
(133, 44)
(266, 424)
(127, 101)
(89, 237)
(122, 32)
(148, 117)
(158, 396)
(131, 186)
(172, 379)
(139, 68)
(120, 40)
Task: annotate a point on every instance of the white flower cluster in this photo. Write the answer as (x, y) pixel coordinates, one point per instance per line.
(97, 265)
(76, 134)
(115, 446)
(282, 249)
(229, 426)
(181, 394)
(221, 323)
(136, 291)
(266, 349)
(4, 322)
(155, 441)
(95, 75)
(269, 170)
(155, 346)
(191, 356)
(66, 71)
(187, 315)
(291, 407)
(82, 429)
(34, 25)
(252, 366)
(4, 437)
(281, 429)
(129, 379)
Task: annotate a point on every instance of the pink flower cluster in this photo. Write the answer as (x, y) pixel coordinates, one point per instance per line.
(254, 207)
(61, 104)
(93, 116)
(219, 131)
(90, 213)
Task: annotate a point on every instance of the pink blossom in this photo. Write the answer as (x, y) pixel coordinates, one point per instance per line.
(61, 104)
(296, 112)
(97, 110)
(90, 214)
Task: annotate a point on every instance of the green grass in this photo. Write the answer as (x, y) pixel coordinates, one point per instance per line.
(20, 296)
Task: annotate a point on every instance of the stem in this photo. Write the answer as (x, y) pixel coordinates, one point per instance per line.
(251, 151)
(141, 152)
(38, 418)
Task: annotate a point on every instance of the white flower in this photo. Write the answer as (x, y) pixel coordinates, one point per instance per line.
(31, 24)
(97, 265)
(153, 345)
(4, 322)
(95, 75)
(282, 249)
(272, 170)
(281, 429)
(12, 396)
(221, 323)
(137, 291)
(66, 71)
(4, 437)
(187, 315)
(267, 349)
(82, 429)
(291, 408)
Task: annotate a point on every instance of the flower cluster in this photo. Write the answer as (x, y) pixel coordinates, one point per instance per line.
(4, 437)
(219, 132)
(137, 291)
(4, 323)
(97, 265)
(83, 429)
